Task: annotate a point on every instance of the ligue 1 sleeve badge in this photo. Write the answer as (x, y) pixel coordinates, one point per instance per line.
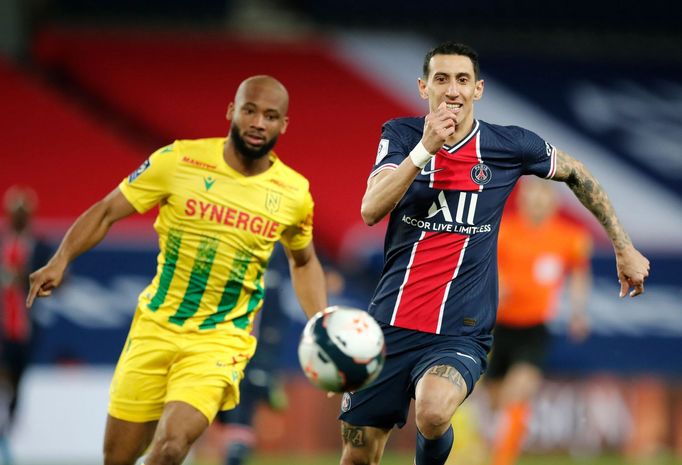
(481, 174)
(345, 402)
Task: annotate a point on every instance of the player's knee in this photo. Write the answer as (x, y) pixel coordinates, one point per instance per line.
(170, 450)
(432, 422)
(356, 456)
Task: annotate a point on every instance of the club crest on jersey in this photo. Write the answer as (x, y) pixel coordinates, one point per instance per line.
(481, 174)
(272, 201)
(143, 167)
(345, 402)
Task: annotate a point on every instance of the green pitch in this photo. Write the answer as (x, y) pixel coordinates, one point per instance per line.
(402, 459)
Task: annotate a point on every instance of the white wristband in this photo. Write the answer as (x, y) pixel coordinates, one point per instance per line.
(420, 156)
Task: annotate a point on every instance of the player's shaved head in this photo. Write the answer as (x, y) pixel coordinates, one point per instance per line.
(263, 86)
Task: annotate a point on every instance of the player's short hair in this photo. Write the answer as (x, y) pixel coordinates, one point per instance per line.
(452, 48)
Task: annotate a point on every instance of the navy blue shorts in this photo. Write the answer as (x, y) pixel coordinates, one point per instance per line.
(386, 401)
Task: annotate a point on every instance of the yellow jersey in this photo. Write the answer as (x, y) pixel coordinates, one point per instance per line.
(217, 229)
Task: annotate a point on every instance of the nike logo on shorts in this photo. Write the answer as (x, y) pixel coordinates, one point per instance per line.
(467, 356)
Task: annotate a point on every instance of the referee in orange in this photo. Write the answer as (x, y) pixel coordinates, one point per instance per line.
(538, 251)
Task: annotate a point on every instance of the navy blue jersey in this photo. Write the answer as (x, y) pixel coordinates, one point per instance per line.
(440, 253)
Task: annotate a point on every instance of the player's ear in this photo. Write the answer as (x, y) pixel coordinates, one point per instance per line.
(285, 124)
(423, 93)
(230, 111)
(478, 91)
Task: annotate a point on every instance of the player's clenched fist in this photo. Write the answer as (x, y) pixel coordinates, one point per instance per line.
(438, 126)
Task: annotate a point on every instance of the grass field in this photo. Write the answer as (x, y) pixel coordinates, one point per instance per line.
(404, 459)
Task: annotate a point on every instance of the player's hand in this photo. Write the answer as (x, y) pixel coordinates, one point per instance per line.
(578, 327)
(44, 280)
(633, 269)
(438, 126)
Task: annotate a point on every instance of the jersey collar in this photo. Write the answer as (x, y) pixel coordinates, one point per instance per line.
(467, 138)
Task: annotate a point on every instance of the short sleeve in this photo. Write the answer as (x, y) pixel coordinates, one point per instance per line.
(539, 156)
(391, 151)
(299, 235)
(150, 183)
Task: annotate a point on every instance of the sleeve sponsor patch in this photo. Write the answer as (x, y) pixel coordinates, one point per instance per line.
(549, 148)
(143, 167)
(382, 151)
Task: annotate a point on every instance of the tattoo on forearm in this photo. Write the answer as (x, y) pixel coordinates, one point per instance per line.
(591, 194)
(449, 373)
(353, 435)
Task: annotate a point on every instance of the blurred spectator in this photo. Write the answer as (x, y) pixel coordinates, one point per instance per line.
(537, 249)
(20, 252)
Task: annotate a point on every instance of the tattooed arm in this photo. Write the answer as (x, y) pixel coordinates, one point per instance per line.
(632, 266)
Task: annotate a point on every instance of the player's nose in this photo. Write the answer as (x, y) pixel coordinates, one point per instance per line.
(452, 90)
(258, 121)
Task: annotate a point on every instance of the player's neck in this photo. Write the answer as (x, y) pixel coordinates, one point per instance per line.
(245, 165)
(461, 131)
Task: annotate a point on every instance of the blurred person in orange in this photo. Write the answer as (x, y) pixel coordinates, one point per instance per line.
(20, 251)
(537, 251)
(224, 202)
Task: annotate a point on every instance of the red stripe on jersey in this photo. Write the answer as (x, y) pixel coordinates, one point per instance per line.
(434, 260)
(453, 170)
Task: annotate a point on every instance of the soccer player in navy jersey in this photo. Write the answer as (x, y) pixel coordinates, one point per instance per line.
(444, 180)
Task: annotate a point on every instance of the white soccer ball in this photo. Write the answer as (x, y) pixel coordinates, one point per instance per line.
(342, 349)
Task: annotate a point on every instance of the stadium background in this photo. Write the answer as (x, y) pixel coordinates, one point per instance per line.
(89, 89)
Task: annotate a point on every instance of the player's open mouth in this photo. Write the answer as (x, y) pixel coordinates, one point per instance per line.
(254, 139)
(453, 106)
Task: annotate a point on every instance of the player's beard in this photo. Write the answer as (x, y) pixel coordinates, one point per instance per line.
(242, 148)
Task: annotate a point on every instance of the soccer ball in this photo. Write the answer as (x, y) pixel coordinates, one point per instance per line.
(341, 349)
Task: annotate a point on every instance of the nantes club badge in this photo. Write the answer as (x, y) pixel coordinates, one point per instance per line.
(272, 201)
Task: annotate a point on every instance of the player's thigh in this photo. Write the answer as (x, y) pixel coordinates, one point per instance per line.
(444, 378)
(439, 392)
(180, 425)
(125, 441)
(208, 373)
(362, 444)
(138, 388)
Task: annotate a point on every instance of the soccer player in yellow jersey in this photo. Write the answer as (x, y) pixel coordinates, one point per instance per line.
(223, 203)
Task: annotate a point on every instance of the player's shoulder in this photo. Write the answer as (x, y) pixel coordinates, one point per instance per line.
(287, 177)
(198, 146)
(405, 125)
(510, 132)
(202, 153)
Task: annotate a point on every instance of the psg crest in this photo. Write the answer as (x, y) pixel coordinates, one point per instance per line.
(481, 174)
